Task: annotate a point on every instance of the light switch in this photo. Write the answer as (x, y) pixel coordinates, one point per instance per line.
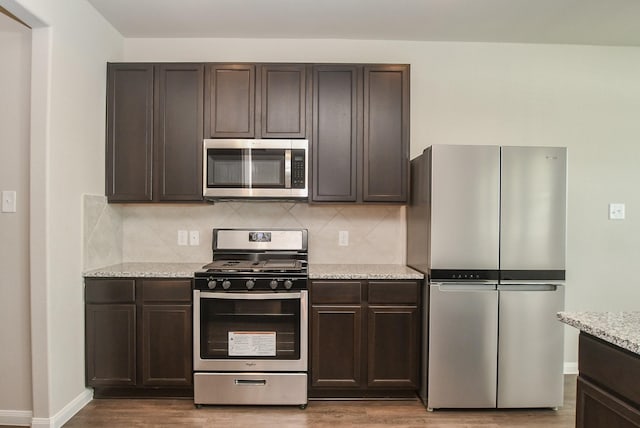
(183, 237)
(8, 201)
(343, 238)
(194, 238)
(616, 211)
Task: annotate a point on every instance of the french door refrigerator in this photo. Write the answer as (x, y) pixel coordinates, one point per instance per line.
(486, 224)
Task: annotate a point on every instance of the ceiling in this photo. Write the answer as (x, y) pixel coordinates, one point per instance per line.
(5, 24)
(592, 22)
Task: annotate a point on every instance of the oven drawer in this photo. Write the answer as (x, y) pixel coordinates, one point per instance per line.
(250, 388)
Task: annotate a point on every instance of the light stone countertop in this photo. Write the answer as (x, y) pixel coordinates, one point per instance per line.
(316, 271)
(362, 271)
(618, 328)
(146, 270)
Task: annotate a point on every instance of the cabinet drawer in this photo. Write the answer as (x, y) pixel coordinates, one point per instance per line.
(393, 292)
(336, 292)
(110, 291)
(178, 290)
(610, 366)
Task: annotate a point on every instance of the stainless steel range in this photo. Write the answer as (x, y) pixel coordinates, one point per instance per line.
(250, 319)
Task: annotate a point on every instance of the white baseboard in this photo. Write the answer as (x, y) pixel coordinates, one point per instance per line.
(16, 417)
(66, 413)
(570, 368)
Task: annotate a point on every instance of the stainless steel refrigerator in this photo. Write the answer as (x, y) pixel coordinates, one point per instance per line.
(486, 224)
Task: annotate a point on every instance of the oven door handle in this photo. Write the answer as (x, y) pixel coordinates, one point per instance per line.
(250, 382)
(250, 296)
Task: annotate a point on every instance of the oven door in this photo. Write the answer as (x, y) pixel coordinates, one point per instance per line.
(247, 331)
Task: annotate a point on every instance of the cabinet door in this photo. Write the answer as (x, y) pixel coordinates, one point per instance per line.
(230, 101)
(597, 408)
(283, 101)
(166, 332)
(166, 345)
(129, 152)
(393, 346)
(179, 132)
(336, 346)
(335, 133)
(386, 133)
(111, 344)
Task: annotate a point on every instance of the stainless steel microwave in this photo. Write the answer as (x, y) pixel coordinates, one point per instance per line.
(239, 168)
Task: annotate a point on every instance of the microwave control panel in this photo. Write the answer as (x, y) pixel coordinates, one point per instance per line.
(298, 169)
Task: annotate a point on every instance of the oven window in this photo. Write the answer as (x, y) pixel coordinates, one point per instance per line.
(255, 329)
(267, 168)
(227, 168)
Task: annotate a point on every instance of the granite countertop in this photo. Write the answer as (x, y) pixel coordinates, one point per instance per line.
(316, 271)
(362, 271)
(618, 328)
(146, 270)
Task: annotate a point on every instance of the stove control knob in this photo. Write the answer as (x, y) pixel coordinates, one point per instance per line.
(288, 284)
(226, 284)
(250, 283)
(273, 284)
(212, 283)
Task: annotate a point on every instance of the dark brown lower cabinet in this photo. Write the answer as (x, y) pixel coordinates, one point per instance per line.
(111, 344)
(364, 339)
(139, 337)
(337, 341)
(607, 391)
(166, 327)
(392, 347)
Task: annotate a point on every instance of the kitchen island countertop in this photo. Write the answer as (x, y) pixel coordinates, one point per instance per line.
(146, 270)
(618, 328)
(362, 271)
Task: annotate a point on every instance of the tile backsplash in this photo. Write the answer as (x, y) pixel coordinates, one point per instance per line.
(102, 233)
(149, 233)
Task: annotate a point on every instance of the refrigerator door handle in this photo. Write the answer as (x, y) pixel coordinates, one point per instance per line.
(531, 282)
(528, 287)
(457, 286)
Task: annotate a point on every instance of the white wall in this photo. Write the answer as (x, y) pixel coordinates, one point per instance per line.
(15, 349)
(82, 43)
(71, 45)
(586, 98)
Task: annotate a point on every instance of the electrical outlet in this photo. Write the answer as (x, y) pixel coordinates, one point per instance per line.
(183, 238)
(343, 238)
(616, 211)
(194, 238)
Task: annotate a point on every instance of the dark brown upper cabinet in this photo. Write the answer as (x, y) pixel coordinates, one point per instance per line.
(360, 133)
(154, 132)
(386, 133)
(129, 150)
(230, 106)
(283, 100)
(256, 101)
(179, 131)
(336, 90)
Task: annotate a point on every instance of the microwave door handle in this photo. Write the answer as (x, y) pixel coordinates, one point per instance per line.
(247, 167)
(287, 169)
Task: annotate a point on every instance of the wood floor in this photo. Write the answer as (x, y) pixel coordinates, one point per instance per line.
(182, 413)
